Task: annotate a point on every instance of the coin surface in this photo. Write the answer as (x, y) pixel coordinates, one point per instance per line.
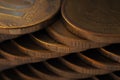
(25, 13)
(96, 16)
(64, 36)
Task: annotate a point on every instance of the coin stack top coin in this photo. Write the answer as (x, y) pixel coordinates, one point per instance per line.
(26, 16)
(94, 20)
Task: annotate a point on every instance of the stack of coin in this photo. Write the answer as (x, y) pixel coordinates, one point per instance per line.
(25, 16)
(77, 66)
(84, 39)
(93, 61)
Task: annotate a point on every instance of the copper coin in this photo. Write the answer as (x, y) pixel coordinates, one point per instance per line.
(91, 20)
(23, 14)
(88, 16)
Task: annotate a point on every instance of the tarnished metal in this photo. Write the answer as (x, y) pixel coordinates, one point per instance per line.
(81, 44)
(97, 21)
(25, 16)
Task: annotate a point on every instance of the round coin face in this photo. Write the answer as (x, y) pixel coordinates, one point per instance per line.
(96, 16)
(24, 13)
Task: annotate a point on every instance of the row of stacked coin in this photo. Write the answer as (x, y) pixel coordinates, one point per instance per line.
(45, 44)
(77, 66)
(38, 74)
(94, 61)
(97, 24)
(55, 41)
(85, 27)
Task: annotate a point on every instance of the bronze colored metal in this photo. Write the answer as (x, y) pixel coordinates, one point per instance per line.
(24, 50)
(81, 67)
(95, 59)
(44, 40)
(112, 52)
(18, 17)
(63, 35)
(34, 50)
(94, 23)
(6, 37)
(59, 68)
(26, 74)
(29, 57)
(70, 65)
(45, 73)
(42, 71)
(40, 46)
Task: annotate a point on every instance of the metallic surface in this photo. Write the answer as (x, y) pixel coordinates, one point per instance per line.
(18, 15)
(98, 23)
(82, 44)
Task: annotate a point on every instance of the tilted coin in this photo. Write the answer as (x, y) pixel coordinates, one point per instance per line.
(91, 20)
(23, 14)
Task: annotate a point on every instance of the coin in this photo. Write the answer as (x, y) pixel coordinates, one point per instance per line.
(26, 13)
(90, 18)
